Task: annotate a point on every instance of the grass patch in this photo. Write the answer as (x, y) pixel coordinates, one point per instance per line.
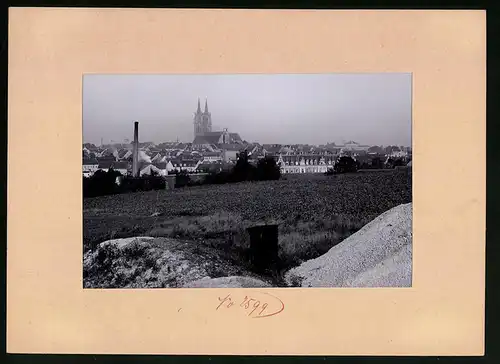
(299, 240)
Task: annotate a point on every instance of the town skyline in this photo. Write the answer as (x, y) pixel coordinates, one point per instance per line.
(321, 109)
(339, 144)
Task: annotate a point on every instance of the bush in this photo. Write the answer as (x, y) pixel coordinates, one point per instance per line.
(217, 178)
(103, 183)
(377, 163)
(243, 170)
(143, 183)
(346, 164)
(267, 169)
(329, 172)
(393, 163)
(182, 179)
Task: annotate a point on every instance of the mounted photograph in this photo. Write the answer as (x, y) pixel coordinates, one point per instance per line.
(247, 180)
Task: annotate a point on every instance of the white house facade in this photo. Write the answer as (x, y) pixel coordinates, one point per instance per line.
(89, 167)
(212, 157)
(147, 170)
(182, 165)
(398, 154)
(305, 163)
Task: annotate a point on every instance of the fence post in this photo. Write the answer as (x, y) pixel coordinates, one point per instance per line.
(264, 248)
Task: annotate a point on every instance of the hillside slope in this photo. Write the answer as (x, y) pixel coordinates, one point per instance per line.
(378, 255)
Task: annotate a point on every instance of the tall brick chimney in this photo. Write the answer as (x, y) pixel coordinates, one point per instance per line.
(135, 151)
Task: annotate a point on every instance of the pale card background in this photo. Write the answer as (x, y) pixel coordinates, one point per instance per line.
(49, 51)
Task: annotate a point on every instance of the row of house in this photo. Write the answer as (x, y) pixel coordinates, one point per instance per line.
(166, 158)
(90, 166)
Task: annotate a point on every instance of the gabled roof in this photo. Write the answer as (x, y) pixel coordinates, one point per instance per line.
(120, 165)
(90, 146)
(184, 162)
(185, 155)
(272, 149)
(206, 139)
(211, 154)
(105, 164)
(235, 137)
(148, 168)
(145, 144)
(160, 165)
(156, 156)
(233, 147)
(90, 162)
(108, 158)
(122, 153)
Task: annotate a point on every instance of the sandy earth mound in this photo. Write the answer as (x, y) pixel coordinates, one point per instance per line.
(378, 255)
(145, 262)
(228, 282)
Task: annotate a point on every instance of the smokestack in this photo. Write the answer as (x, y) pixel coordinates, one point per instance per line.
(135, 151)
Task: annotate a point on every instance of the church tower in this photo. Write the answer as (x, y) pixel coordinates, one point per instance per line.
(202, 120)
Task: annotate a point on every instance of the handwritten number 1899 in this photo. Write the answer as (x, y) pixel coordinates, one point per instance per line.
(247, 303)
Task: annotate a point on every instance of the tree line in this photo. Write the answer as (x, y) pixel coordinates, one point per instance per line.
(112, 182)
(265, 170)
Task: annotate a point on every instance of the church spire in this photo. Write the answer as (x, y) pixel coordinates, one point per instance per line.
(199, 107)
(206, 105)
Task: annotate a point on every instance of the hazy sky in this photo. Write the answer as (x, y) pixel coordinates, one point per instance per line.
(370, 109)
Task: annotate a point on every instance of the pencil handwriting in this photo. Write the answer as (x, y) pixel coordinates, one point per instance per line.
(256, 305)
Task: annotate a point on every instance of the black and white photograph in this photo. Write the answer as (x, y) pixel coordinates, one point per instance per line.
(247, 180)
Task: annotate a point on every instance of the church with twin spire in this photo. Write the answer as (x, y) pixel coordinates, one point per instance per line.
(202, 120)
(203, 134)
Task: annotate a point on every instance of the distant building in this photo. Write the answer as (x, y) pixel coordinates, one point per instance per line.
(398, 154)
(305, 163)
(203, 134)
(89, 167)
(121, 167)
(216, 138)
(354, 146)
(212, 157)
(150, 169)
(157, 156)
(162, 167)
(182, 165)
(202, 120)
(230, 152)
(124, 154)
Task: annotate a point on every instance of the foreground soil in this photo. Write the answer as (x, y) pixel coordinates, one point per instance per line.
(148, 262)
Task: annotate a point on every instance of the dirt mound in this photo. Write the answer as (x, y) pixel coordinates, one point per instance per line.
(146, 262)
(378, 255)
(228, 282)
